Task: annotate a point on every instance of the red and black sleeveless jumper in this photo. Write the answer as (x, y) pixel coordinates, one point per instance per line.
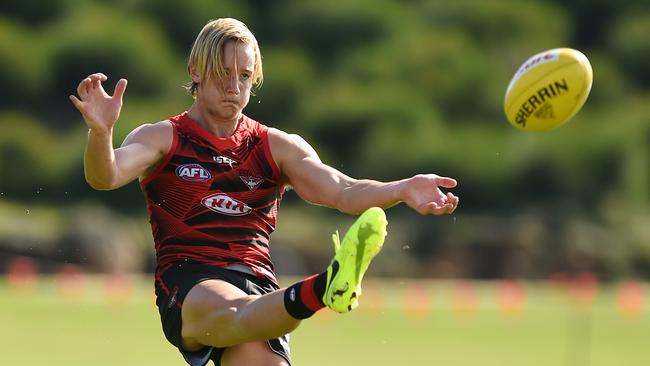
(215, 200)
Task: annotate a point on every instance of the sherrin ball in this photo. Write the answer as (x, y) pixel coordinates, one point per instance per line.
(548, 89)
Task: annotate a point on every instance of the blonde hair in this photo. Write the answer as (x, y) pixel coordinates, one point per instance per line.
(207, 52)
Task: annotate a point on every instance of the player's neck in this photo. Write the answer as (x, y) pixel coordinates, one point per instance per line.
(217, 125)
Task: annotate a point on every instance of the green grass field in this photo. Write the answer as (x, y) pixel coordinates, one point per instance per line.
(399, 322)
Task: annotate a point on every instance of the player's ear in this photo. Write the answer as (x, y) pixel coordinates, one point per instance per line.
(193, 74)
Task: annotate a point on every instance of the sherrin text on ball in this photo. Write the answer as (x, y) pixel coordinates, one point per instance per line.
(548, 89)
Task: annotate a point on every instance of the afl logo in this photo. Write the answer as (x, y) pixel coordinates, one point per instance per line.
(192, 172)
(226, 205)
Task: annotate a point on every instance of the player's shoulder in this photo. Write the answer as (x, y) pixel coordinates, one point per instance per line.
(154, 133)
(284, 140)
(282, 136)
(283, 143)
(151, 130)
(163, 125)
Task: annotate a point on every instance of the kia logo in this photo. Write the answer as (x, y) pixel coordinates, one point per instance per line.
(226, 205)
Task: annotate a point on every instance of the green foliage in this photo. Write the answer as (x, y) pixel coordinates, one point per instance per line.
(180, 21)
(632, 49)
(288, 78)
(30, 153)
(34, 12)
(381, 89)
(21, 65)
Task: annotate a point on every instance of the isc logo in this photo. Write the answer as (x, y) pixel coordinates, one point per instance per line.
(224, 160)
(226, 205)
(192, 172)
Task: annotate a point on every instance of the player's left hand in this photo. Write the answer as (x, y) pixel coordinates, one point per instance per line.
(422, 193)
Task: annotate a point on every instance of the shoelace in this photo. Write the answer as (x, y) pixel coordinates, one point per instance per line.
(337, 241)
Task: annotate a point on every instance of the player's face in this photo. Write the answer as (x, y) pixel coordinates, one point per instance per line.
(226, 96)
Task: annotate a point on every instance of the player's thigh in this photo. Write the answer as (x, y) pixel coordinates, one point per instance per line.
(252, 353)
(209, 314)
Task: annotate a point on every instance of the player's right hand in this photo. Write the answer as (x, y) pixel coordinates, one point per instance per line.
(100, 110)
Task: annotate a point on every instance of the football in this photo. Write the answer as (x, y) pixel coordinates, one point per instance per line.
(548, 89)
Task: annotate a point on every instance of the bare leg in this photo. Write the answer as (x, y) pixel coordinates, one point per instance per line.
(254, 353)
(219, 314)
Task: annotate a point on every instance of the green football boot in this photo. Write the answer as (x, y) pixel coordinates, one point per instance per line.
(360, 245)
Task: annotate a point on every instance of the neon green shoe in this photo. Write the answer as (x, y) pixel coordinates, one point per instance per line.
(360, 245)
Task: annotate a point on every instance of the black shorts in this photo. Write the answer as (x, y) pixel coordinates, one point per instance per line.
(173, 285)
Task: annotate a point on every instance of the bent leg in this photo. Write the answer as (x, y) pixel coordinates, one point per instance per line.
(217, 313)
(253, 353)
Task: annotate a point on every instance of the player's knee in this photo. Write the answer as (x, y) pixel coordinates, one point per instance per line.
(215, 328)
(224, 327)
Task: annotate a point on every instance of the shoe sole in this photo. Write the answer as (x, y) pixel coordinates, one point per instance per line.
(354, 257)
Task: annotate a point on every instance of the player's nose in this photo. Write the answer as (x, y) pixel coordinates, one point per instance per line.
(232, 86)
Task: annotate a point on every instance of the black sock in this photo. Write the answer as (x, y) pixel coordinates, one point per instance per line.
(304, 298)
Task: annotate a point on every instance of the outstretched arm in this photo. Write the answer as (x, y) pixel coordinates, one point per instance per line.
(321, 184)
(105, 167)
